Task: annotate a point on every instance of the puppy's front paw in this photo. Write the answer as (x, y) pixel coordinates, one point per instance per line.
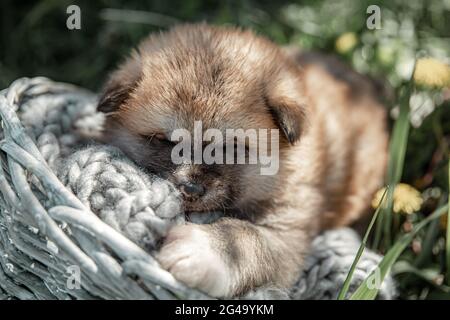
(187, 254)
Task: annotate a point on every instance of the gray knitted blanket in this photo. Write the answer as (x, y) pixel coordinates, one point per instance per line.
(61, 119)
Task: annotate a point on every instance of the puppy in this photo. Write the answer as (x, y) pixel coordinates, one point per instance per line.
(332, 149)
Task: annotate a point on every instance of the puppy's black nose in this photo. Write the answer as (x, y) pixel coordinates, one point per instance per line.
(192, 190)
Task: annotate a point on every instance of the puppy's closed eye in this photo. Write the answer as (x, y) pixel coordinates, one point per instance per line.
(151, 136)
(159, 138)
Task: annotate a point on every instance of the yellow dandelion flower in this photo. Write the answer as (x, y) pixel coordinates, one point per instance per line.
(406, 199)
(432, 72)
(346, 42)
(443, 221)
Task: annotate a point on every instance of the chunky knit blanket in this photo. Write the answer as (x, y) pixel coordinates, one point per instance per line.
(62, 120)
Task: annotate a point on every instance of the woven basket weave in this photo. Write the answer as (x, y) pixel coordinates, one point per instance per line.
(47, 234)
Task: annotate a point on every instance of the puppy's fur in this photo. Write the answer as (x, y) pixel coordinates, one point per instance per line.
(333, 145)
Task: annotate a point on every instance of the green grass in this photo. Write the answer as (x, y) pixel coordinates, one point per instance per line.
(397, 152)
(447, 248)
(383, 240)
(346, 285)
(368, 291)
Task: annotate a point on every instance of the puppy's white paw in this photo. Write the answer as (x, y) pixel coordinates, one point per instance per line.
(188, 255)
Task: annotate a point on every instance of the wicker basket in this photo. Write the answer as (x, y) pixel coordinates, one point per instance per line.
(57, 244)
(47, 235)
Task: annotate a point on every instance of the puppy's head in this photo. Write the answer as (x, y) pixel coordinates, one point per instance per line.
(225, 78)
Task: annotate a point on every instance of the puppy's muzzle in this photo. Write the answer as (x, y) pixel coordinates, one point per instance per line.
(191, 190)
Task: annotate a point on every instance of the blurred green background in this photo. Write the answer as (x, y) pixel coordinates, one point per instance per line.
(34, 41)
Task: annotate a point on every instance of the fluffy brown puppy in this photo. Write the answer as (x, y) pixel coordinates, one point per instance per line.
(332, 148)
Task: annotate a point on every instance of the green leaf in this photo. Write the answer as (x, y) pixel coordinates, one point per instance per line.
(447, 244)
(429, 274)
(368, 290)
(397, 151)
(346, 285)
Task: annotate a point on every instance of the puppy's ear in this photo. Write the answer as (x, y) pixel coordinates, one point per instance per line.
(120, 84)
(286, 104)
